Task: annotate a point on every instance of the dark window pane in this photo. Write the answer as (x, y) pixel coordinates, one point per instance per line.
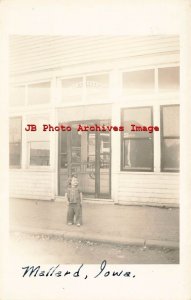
(91, 146)
(63, 162)
(171, 121)
(138, 81)
(138, 154)
(39, 93)
(14, 154)
(104, 161)
(39, 153)
(72, 89)
(63, 141)
(171, 154)
(63, 149)
(168, 78)
(138, 117)
(76, 145)
(15, 131)
(104, 150)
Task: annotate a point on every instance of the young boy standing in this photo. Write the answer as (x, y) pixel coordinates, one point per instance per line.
(74, 197)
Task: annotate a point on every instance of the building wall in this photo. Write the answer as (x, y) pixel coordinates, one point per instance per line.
(36, 59)
(148, 188)
(39, 53)
(31, 184)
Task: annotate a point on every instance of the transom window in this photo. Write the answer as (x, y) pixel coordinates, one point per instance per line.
(88, 87)
(72, 89)
(138, 81)
(39, 93)
(17, 95)
(97, 86)
(168, 78)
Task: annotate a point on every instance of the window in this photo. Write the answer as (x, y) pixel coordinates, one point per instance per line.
(39, 93)
(139, 81)
(15, 135)
(17, 96)
(168, 78)
(72, 89)
(39, 153)
(137, 146)
(97, 86)
(170, 139)
(38, 142)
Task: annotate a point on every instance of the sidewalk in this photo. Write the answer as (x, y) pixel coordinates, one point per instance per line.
(135, 225)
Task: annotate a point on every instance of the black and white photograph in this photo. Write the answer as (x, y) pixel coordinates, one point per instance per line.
(95, 150)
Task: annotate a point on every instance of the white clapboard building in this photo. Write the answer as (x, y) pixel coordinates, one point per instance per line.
(95, 81)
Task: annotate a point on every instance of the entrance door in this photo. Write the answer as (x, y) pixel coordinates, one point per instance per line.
(87, 153)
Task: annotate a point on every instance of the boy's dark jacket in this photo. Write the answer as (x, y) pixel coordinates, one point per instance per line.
(73, 195)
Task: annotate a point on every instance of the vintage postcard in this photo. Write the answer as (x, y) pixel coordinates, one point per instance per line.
(95, 155)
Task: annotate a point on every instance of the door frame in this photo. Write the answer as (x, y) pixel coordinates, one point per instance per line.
(97, 194)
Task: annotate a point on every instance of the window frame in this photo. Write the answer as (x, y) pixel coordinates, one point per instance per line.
(136, 138)
(162, 138)
(29, 154)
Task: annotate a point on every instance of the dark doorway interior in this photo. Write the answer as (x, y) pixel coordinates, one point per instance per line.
(87, 153)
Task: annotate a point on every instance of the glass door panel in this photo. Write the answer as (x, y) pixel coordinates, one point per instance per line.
(62, 163)
(83, 159)
(87, 154)
(104, 144)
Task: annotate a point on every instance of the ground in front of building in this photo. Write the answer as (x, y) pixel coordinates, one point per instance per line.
(49, 250)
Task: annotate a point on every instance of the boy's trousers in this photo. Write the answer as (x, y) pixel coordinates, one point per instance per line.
(74, 209)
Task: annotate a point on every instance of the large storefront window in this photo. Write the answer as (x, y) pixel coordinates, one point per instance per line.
(137, 146)
(15, 133)
(170, 138)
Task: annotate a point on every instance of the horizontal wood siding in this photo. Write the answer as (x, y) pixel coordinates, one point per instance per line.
(148, 188)
(37, 53)
(31, 185)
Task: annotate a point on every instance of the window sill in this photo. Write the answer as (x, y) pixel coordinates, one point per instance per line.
(34, 169)
(148, 173)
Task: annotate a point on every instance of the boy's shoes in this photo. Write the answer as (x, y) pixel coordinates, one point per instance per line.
(78, 224)
(70, 223)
